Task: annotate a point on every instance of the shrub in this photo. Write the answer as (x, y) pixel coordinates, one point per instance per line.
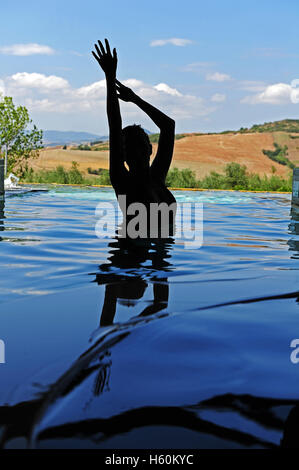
(279, 155)
(235, 177)
(181, 178)
(213, 181)
(74, 175)
(104, 177)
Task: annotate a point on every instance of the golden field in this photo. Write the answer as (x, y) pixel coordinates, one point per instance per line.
(201, 153)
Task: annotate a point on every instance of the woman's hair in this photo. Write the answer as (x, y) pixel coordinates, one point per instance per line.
(135, 135)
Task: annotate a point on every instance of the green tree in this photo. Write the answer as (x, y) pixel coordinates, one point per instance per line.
(74, 176)
(236, 175)
(17, 142)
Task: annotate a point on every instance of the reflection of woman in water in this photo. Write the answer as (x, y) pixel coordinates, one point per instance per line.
(143, 183)
(140, 183)
(129, 272)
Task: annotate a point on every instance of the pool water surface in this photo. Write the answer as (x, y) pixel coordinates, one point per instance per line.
(158, 347)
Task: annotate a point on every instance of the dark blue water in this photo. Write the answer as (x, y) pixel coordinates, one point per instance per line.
(158, 347)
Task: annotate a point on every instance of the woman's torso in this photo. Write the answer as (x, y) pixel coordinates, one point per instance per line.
(150, 193)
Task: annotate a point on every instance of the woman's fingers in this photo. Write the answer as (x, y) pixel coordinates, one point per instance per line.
(95, 56)
(120, 85)
(102, 48)
(104, 58)
(107, 46)
(98, 51)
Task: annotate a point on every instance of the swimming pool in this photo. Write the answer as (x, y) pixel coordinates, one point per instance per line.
(166, 348)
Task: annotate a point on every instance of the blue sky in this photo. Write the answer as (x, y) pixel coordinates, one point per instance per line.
(210, 65)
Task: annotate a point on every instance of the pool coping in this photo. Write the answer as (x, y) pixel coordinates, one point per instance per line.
(172, 189)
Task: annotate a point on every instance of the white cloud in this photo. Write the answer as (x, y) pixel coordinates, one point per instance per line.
(218, 77)
(133, 83)
(174, 41)
(95, 90)
(252, 85)
(278, 93)
(218, 98)
(41, 105)
(54, 95)
(166, 89)
(39, 81)
(26, 49)
(173, 102)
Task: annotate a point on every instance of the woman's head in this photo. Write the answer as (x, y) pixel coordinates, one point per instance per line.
(137, 147)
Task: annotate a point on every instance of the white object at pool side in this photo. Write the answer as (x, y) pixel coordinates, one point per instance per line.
(11, 182)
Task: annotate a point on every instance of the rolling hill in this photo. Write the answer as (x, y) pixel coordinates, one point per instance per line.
(54, 138)
(285, 125)
(202, 153)
(57, 138)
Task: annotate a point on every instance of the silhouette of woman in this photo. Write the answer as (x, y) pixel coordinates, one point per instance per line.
(142, 183)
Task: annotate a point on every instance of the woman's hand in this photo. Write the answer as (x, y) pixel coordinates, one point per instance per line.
(124, 93)
(105, 59)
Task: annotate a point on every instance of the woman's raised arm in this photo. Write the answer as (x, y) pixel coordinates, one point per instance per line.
(108, 63)
(166, 125)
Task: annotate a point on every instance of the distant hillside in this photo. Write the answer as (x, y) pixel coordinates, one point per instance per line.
(286, 125)
(200, 153)
(52, 138)
(55, 138)
(269, 148)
